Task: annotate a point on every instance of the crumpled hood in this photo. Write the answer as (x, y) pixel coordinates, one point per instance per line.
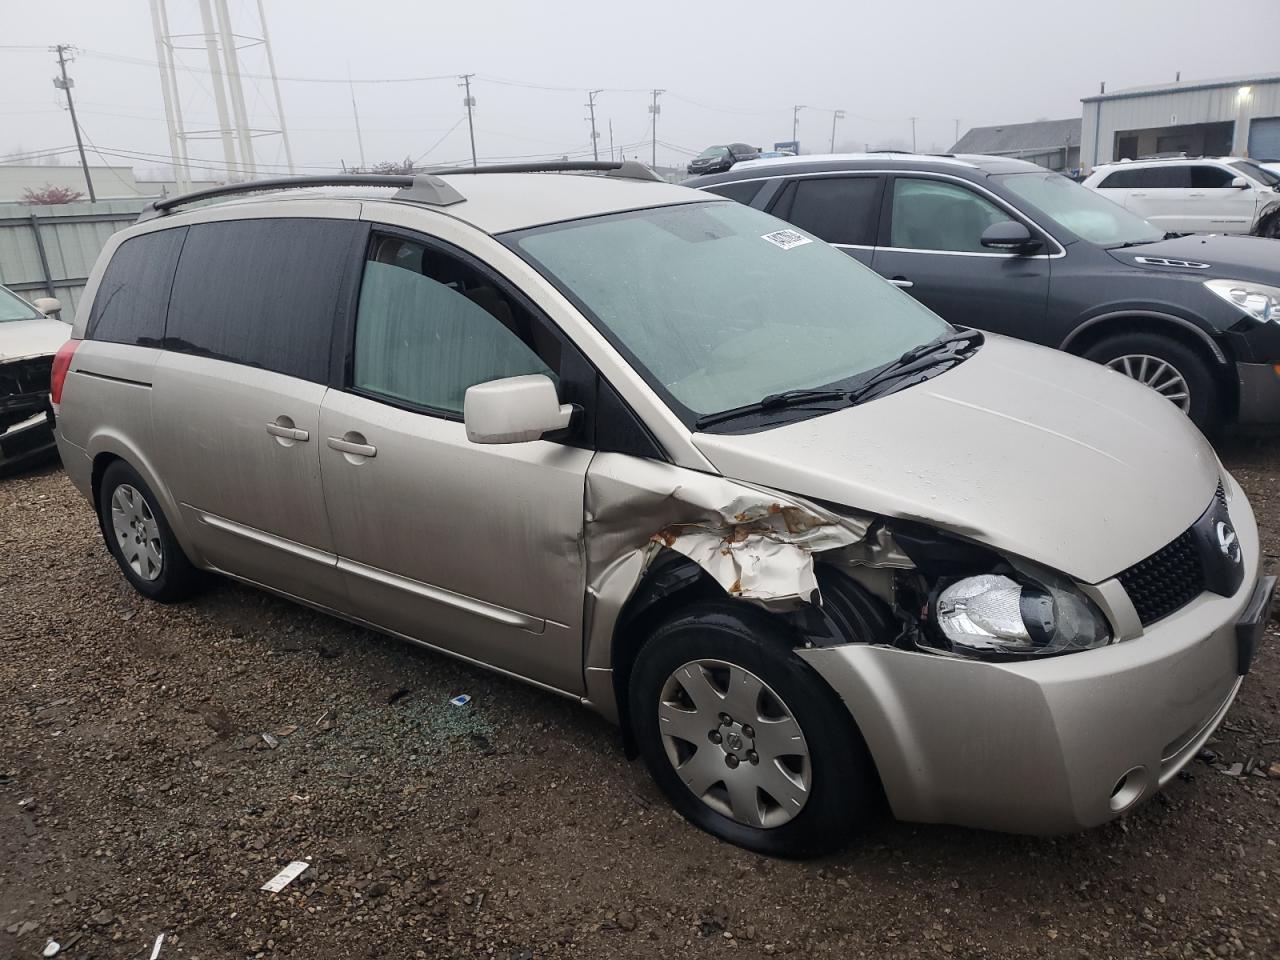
(32, 338)
(1228, 257)
(1026, 449)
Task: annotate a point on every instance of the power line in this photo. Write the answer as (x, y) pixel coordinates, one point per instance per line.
(440, 141)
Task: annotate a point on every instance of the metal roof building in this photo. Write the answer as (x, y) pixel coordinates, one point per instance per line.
(1050, 143)
(1235, 116)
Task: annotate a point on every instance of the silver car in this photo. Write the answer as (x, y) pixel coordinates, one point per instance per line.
(655, 451)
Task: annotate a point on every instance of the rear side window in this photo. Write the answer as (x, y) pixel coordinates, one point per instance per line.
(742, 192)
(261, 292)
(837, 209)
(429, 326)
(1160, 178)
(133, 295)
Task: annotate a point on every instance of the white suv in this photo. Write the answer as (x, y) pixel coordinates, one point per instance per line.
(1208, 195)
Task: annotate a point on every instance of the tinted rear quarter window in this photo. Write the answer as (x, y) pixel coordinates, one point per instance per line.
(1161, 178)
(837, 209)
(742, 192)
(133, 294)
(261, 292)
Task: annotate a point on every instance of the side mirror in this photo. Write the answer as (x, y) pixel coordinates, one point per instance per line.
(514, 410)
(1009, 235)
(1240, 183)
(47, 305)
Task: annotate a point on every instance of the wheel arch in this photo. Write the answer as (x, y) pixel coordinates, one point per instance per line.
(107, 447)
(674, 581)
(1098, 328)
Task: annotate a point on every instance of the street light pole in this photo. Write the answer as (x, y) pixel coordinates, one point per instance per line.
(64, 83)
(835, 115)
(913, 133)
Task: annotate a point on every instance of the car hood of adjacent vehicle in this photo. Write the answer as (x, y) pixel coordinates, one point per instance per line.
(1229, 257)
(32, 338)
(1029, 450)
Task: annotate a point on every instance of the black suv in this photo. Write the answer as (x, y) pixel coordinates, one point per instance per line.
(722, 157)
(1007, 246)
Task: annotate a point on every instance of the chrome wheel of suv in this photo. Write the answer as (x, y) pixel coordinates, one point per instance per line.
(137, 533)
(1160, 375)
(734, 743)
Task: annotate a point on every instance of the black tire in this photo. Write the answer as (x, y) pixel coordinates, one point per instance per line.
(176, 578)
(1205, 408)
(844, 793)
(1270, 227)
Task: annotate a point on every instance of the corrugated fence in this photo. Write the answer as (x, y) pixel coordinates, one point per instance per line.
(48, 251)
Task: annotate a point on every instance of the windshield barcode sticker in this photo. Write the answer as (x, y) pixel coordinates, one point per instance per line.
(786, 239)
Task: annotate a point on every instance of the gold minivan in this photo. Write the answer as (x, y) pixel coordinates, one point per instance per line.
(663, 454)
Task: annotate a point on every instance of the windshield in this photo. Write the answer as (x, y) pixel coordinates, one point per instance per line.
(1086, 213)
(1259, 173)
(719, 305)
(714, 152)
(13, 307)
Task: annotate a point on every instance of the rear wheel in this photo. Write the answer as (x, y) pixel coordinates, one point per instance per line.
(139, 537)
(746, 740)
(1172, 369)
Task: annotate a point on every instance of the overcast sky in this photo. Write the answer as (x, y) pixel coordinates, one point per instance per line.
(732, 71)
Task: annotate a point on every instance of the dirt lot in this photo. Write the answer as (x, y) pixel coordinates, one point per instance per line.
(139, 797)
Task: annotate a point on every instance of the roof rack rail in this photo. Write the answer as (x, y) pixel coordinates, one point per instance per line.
(424, 187)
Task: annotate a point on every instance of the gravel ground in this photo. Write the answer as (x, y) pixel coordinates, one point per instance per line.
(138, 796)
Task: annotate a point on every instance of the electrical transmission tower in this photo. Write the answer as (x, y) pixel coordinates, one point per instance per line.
(224, 48)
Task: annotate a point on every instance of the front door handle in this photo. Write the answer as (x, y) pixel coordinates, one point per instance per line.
(902, 282)
(283, 428)
(1137, 194)
(353, 445)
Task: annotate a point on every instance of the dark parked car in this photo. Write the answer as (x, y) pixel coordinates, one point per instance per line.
(722, 157)
(1013, 248)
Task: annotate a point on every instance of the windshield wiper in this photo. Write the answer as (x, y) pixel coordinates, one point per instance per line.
(1170, 235)
(774, 401)
(917, 360)
(927, 355)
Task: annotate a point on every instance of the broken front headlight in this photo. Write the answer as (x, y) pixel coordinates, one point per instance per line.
(994, 615)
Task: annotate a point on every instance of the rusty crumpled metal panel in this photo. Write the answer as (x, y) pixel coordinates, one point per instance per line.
(757, 544)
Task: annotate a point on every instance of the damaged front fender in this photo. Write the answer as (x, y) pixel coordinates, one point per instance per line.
(757, 544)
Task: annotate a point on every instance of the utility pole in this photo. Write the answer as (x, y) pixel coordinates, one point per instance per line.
(595, 137)
(795, 121)
(355, 112)
(469, 101)
(654, 110)
(64, 83)
(957, 139)
(835, 115)
(913, 133)
(611, 153)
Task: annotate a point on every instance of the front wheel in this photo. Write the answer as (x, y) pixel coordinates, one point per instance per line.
(1173, 370)
(745, 739)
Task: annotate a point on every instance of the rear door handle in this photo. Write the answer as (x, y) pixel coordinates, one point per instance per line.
(1137, 194)
(285, 432)
(902, 282)
(356, 448)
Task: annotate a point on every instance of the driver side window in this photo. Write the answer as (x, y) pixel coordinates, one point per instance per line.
(935, 215)
(429, 326)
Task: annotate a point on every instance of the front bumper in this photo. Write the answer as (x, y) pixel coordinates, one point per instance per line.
(26, 441)
(1259, 393)
(1052, 746)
